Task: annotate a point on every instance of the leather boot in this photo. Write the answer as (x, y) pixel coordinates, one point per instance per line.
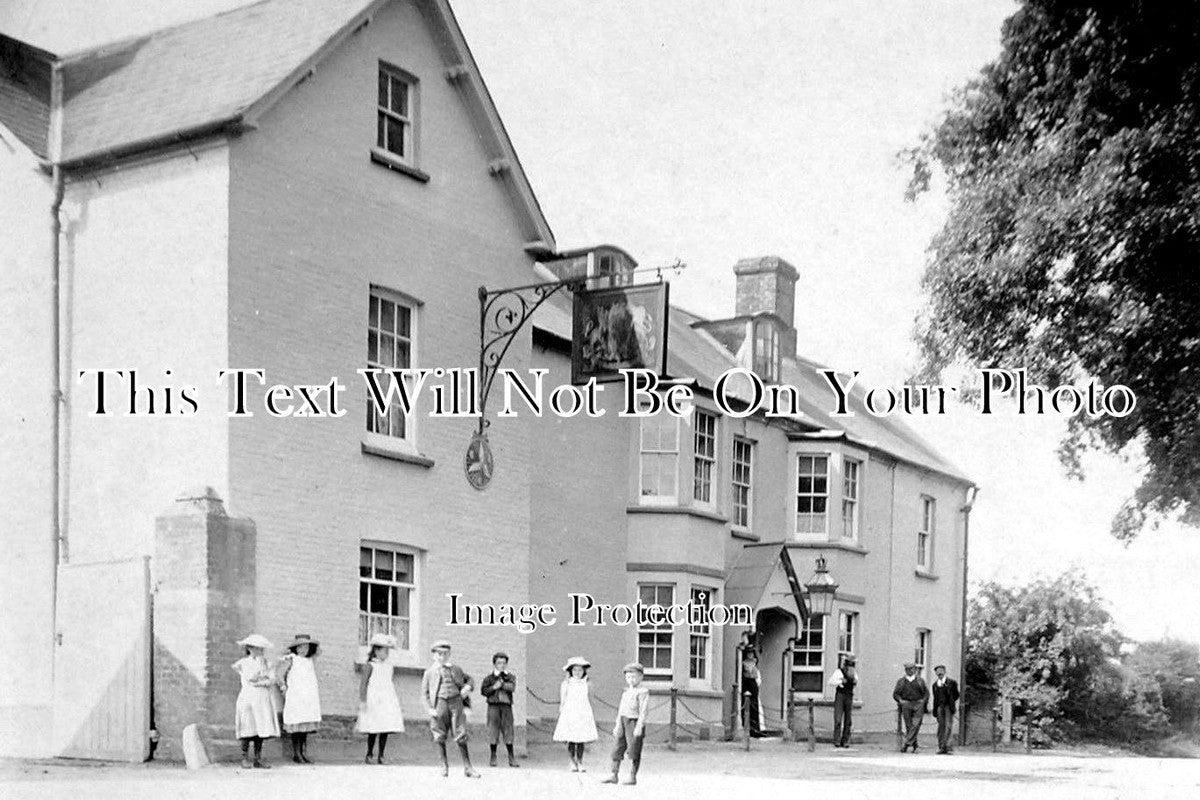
(466, 759)
(445, 759)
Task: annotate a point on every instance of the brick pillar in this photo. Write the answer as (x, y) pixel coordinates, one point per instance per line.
(203, 574)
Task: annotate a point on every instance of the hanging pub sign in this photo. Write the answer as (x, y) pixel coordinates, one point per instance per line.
(620, 327)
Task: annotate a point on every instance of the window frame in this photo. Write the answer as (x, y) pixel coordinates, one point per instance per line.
(823, 534)
(657, 499)
(804, 644)
(765, 351)
(706, 463)
(365, 626)
(855, 501)
(921, 652)
(660, 633)
(738, 507)
(926, 532)
(847, 644)
(408, 121)
(704, 635)
(386, 440)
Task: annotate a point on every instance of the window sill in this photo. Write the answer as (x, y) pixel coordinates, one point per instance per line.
(396, 455)
(675, 509)
(821, 702)
(850, 547)
(687, 692)
(386, 159)
(745, 534)
(926, 574)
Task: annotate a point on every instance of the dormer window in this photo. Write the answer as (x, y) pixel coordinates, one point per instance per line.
(766, 351)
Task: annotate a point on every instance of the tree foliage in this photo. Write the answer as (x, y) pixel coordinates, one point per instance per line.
(1174, 666)
(1072, 246)
(1042, 645)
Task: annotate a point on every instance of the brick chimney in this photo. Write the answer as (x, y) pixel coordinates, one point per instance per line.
(767, 284)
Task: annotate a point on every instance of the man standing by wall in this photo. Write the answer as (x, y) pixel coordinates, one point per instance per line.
(843, 680)
(912, 697)
(945, 703)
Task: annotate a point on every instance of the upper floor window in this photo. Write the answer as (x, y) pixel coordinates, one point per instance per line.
(391, 336)
(396, 114)
(387, 585)
(808, 657)
(766, 351)
(925, 533)
(812, 494)
(659, 458)
(705, 458)
(850, 473)
(656, 642)
(743, 464)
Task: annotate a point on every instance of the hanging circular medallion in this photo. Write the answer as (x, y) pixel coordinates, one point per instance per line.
(478, 462)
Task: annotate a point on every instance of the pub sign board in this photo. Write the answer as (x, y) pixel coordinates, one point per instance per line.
(619, 327)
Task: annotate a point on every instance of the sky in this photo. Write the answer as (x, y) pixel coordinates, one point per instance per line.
(711, 131)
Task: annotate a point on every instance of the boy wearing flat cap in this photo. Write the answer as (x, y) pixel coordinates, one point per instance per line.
(630, 728)
(498, 687)
(445, 689)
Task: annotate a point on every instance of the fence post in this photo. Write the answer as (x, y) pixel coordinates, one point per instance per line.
(746, 718)
(791, 718)
(812, 730)
(735, 714)
(995, 722)
(1028, 732)
(674, 699)
(899, 733)
(964, 709)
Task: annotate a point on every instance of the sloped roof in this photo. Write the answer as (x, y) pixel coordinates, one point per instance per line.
(223, 71)
(693, 353)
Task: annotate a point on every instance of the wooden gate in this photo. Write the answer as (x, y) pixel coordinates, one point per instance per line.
(102, 661)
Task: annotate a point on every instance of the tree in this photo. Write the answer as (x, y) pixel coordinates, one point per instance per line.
(1072, 164)
(1045, 645)
(1175, 666)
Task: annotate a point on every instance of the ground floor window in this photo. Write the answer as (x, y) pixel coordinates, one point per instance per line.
(921, 652)
(808, 657)
(387, 584)
(700, 639)
(656, 642)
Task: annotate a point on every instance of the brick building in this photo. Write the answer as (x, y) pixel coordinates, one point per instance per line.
(315, 186)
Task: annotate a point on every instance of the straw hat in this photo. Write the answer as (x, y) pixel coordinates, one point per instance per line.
(440, 644)
(382, 640)
(576, 661)
(255, 640)
(635, 667)
(302, 639)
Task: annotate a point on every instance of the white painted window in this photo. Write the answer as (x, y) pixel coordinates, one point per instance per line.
(700, 639)
(705, 455)
(387, 586)
(808, 657)
(659, 459)
(925, 534)
(656, 642)
(921, 652)
(812, 494)
(850, 486)
(743, 471)
(847, 634)
(391, 340)
(396, 114)
(766, 351)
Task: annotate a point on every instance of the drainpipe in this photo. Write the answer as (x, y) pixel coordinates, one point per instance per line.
(58, 534)
(972, 494)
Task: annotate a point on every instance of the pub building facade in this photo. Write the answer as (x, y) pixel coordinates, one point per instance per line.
(325, 192)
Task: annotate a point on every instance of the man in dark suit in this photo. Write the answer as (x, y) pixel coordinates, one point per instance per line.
(945, 703)
(912, 698)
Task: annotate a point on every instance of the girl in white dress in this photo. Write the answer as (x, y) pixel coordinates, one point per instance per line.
(378, 707)
(255, 713)
(576, 722)
(297, 677)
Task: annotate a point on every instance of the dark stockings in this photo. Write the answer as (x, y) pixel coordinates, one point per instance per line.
(371, 745)
(300, 748)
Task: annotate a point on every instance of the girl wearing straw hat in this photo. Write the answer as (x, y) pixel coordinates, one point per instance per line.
(302, 704)
(576, 722)
(379, 706)
(254, 713)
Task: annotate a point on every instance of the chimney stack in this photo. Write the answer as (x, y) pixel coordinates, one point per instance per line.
(767, 284)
